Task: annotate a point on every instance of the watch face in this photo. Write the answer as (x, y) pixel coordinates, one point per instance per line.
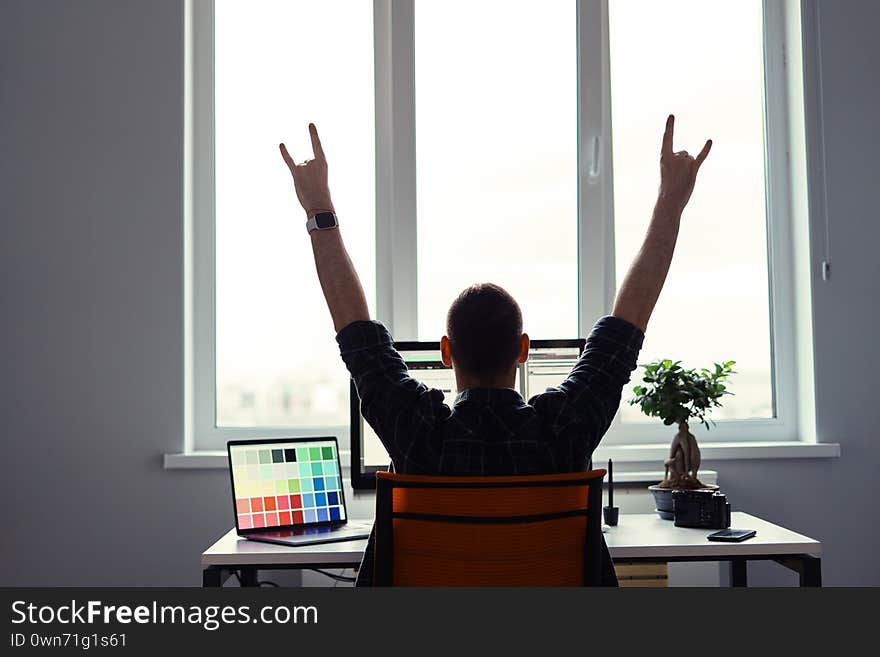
(325, 220)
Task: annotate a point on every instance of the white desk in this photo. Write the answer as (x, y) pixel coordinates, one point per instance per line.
(647, 537)
(637, 538)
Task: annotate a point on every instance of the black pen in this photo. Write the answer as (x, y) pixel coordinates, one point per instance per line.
(610, 483)
(610, 512)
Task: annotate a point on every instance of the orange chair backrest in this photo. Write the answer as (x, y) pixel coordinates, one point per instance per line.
(537, 530)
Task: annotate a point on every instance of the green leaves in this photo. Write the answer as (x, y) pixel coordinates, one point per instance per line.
(677, 395)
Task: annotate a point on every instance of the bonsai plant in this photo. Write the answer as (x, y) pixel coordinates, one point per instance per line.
(677, 396)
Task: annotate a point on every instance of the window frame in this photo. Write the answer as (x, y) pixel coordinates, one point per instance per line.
(396, 222)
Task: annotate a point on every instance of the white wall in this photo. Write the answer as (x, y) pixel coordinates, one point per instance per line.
(90, 137)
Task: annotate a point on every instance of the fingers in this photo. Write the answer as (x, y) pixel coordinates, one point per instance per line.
(704, 152)
(287, 159)
(317, 149)
(666, 150)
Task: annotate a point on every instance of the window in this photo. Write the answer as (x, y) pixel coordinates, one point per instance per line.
(496, 158)
(277, 361)
(720, 272)
(519, 146)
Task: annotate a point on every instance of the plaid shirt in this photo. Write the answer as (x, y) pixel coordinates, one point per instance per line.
(489, 431)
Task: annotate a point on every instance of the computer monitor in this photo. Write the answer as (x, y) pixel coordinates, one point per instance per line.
(549, 363)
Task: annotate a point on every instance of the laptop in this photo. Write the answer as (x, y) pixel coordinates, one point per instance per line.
(289, 491)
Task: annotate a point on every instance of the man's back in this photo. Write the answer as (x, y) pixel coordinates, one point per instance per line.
(489, 431)
(492, 431)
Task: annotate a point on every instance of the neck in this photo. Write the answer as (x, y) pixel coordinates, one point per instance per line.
(465, 381)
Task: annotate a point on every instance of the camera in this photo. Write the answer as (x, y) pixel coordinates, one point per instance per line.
(700, 508)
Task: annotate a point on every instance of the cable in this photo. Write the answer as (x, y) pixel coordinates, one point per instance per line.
(333, 576)
(338, 578)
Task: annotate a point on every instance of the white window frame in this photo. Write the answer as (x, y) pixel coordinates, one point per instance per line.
(396, 224)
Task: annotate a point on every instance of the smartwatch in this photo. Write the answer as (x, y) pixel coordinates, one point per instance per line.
(322, 221)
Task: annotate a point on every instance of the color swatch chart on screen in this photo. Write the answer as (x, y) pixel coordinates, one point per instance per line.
(286, 483)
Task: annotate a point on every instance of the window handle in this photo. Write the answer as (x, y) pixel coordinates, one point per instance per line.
(594, 163)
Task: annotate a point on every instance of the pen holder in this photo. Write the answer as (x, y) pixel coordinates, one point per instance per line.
(611, 513)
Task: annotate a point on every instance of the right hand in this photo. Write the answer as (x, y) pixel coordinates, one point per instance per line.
(310, 177)
(678, 171)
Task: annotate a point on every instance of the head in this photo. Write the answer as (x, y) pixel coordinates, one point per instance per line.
(484, 341)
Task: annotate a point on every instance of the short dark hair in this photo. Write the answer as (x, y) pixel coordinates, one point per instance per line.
(484, 327)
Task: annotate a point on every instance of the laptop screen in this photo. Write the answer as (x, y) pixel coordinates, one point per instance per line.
(278, 483)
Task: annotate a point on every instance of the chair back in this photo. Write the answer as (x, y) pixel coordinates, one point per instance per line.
(534, 530)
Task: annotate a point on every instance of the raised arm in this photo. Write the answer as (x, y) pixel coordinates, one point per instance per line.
(339, 280)
(678, 172)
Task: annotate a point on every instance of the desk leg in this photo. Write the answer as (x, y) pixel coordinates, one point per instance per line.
(808, 568)
(739, 572)
(811, 575)
(214, 576)
(248, 576)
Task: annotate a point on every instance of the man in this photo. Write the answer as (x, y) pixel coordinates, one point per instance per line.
(490, 429)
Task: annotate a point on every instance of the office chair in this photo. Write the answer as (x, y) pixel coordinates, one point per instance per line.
(536, 530)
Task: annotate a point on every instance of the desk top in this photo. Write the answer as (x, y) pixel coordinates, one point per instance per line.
(232, 550)
(637, 536)
(647, 535)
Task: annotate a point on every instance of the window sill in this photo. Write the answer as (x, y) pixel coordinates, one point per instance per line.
(655, 453)
(726, 451)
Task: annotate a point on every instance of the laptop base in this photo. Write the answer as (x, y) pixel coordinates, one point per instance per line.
(349, 531)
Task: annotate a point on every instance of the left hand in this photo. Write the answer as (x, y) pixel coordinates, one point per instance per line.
(310, 177)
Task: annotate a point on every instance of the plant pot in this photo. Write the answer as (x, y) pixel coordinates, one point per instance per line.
(663, 499)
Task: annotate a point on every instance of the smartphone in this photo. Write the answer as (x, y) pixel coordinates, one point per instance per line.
(732, 535)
